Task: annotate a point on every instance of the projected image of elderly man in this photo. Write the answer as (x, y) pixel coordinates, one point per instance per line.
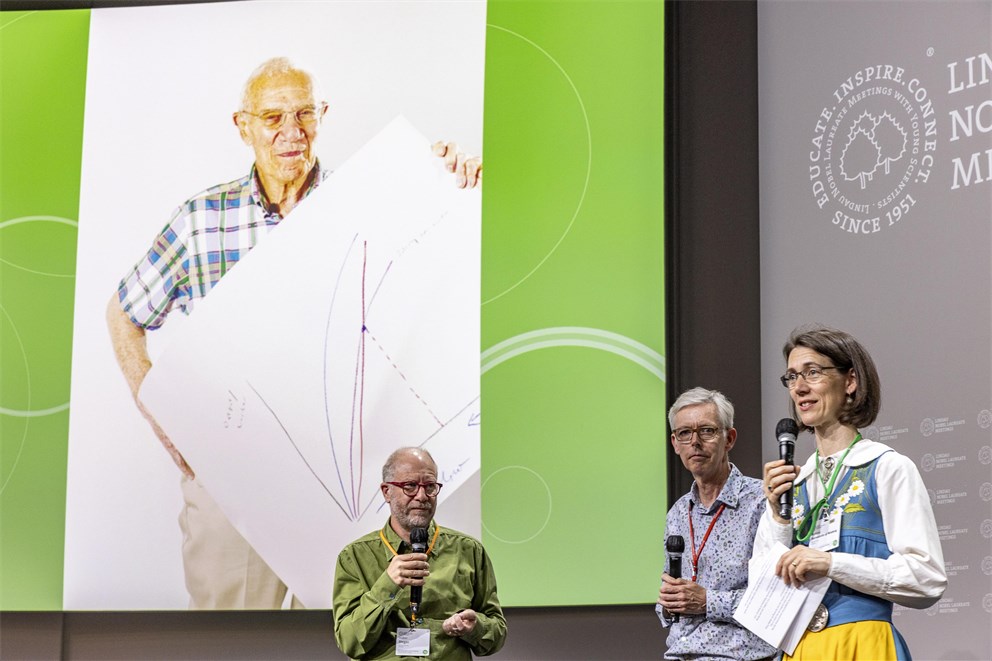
(717, 521)
(279, 119)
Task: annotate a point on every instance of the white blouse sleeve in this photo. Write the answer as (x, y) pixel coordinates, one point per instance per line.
(914, 574)
(770, 532)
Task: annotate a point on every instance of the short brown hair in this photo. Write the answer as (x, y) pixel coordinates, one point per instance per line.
(845, 352)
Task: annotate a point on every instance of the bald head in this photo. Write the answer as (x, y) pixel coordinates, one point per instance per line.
(275, 68)
(405, 455)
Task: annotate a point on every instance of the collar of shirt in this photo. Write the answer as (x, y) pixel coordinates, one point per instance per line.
(397, 542)
(863, 452)
(259, 197)
(729, 494)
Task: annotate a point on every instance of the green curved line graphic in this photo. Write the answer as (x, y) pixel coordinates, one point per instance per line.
(40, 413)
(19, 18)
(570, 331)
(33, 219)
(585, 185)
(27, 379)
(574, 336)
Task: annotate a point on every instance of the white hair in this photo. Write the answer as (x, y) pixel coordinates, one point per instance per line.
(724, 409)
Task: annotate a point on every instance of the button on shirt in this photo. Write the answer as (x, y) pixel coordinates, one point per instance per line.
(722, 571)
(207, 235)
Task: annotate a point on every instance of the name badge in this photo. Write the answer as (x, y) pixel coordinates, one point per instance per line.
(826, 537)
(413, 642)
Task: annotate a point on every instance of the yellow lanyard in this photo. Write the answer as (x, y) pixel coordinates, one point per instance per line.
(430, 548)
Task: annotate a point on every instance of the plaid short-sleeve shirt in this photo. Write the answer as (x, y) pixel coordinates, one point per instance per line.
(207, 235)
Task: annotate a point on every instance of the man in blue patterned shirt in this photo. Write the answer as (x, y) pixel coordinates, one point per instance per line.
(280, 118)
(717, 520)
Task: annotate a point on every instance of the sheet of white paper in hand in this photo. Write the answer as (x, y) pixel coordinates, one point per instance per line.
(775, 612)
(350, 330)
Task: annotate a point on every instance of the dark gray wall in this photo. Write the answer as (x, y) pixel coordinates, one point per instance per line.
(712, 341)
(713, 327)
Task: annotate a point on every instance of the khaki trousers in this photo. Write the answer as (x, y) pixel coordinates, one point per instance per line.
(223, 572)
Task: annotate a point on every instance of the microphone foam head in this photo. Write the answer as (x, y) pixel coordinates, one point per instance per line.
(786, 426)
(418, 536)
(675, 544)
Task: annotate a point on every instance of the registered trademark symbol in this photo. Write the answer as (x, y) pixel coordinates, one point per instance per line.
(930, 52)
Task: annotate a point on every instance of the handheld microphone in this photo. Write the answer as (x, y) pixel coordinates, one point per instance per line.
(418, 544)
(785, 432)
(675, 545)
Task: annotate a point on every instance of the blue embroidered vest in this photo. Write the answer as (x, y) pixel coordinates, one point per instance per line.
(861, 533)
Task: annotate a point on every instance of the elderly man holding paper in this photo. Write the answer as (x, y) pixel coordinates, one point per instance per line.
(715, 523)
(279, 119)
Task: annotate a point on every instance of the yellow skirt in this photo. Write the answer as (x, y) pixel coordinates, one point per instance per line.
(870, 640)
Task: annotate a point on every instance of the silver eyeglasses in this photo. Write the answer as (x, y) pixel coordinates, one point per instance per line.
(813, 374)
(273, 119)
(684, 434)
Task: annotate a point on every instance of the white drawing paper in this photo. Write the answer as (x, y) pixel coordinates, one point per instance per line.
(350, 330)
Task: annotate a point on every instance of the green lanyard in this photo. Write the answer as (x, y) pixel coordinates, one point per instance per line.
(808, 524)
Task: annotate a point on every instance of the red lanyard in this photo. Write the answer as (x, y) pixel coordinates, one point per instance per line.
(692, 538)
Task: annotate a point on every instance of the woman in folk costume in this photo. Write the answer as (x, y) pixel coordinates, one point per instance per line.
(861, 514)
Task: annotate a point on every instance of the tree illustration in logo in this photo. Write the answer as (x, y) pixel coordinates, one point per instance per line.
(872, 143)
(861, 156)
(890, 138)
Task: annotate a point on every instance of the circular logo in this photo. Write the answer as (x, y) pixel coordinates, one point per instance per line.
(985, 455)
(987, 565)
(872, 148)
(870, 432)
(987, 528)
(926, 427)
(987, 603)
(928, 463)
(985, 418)
(985, 491)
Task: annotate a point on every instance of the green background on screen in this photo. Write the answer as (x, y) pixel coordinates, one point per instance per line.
(43, 74)
(573, 309)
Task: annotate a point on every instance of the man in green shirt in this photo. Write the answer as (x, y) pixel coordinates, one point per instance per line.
(374, 574)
